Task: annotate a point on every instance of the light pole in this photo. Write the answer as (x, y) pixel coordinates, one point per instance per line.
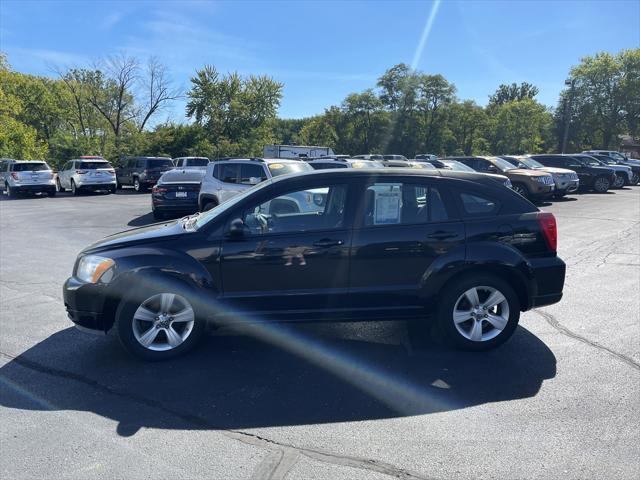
(569, 82)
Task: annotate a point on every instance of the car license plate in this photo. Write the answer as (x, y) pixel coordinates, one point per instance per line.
(181, 194)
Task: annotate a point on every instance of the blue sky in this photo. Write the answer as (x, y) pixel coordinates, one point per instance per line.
(323, 51)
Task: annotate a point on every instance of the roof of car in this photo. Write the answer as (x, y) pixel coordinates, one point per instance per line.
(182, 175)
(261, 160)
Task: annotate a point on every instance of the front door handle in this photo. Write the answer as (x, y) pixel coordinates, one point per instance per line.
(327, 242)
(441, 235)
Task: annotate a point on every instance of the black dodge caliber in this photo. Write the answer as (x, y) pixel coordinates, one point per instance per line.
(454, 248)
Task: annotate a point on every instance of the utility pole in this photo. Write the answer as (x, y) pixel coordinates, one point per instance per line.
(567, 108)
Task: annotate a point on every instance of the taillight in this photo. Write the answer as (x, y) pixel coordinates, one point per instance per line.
(112, 172)
(549, 229)
(81, 172)
(158, 189)
(14, 175)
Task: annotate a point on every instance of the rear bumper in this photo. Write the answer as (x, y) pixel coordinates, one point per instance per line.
(175, 205)
(97, 186)
(549, 274)
(33, 188)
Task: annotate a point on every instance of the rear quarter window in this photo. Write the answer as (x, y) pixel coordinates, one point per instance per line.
(478, 205)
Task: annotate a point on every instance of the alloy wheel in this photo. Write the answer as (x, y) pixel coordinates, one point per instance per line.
(601, 184)
(619, 182)
(163, 322)
(481, 313)
(136, 185)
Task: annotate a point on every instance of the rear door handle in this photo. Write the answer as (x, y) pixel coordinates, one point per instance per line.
(326, 242)
(442, 235)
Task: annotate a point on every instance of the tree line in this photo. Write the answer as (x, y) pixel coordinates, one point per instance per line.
(111, 108)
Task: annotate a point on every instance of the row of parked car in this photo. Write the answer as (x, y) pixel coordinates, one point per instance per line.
(189, 184)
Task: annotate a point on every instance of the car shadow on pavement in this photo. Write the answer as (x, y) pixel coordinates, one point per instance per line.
(329, 373)
(143, 220)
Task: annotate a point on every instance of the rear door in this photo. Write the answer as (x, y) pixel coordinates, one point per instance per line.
(402, 226)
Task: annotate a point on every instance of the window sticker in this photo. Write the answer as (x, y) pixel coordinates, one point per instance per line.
(387, 208)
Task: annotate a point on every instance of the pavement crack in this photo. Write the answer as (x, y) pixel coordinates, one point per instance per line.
(551, 320)
(275, 466)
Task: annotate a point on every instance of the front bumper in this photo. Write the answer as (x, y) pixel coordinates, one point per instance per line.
(567, 186)
(542, 191)
(549, 274)
(85, 304)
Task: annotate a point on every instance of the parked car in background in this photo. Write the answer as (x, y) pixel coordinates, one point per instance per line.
(436, 162)
(295, 151)
(226, 178)
(191, 162)
(26, 176)
(619, 157)
(324, 163)
(86, 173)
(531, 184)
(623, 172)
(394, 157)
(609, 161)
(176, 192)
(420, 245)
(461, 167)
(369, 156)
(592, 176)
(142, 172)
(566, 180)
(426, 156)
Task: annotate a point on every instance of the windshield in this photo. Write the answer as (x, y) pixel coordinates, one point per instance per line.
(366, 164)
(457, 166)
(617, 156)
(159, 163)
(288, 167)
(94, 165)
(502, 164)
(530, 162)
(205, 217)
(30, 167)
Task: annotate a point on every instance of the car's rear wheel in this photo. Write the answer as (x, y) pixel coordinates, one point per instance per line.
(208, 205)
(74, 189)
(161, 326)
(619, 181)
(9, 191)
(478, 312)
(59, 186)
(521, 189)
(113, 189)
(601, 184)
(137, 186)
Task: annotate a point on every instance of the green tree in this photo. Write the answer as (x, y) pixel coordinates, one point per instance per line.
(318, 131)
(510, 93)
(466, 123)
(521, 126)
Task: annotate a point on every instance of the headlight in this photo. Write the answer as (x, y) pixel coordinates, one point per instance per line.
(94, 268)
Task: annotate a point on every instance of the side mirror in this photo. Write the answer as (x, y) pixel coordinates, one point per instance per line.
(236, 228)
(252, 181)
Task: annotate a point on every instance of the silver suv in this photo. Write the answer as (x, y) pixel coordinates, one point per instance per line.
(226, 178)
(86, 173)
(17, 176)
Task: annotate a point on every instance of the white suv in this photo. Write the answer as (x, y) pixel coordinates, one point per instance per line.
(226, 178)
(86, 173)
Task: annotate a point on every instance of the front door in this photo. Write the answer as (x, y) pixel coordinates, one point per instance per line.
(293, 259)
(400, 229)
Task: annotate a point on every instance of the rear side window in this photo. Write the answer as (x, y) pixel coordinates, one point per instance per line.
(400, 203)
(476, 205)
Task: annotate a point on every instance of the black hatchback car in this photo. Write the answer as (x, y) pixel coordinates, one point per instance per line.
(455, 247)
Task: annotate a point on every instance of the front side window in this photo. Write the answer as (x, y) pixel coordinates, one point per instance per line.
(477, 205)
(304, 210)
(395, 203)
(250, 172)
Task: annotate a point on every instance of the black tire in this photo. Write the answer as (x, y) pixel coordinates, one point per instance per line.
(137, 185)
(158, 215)
(522, 189)
(124, 323)
(620, 181)
(208, 205)
(601, 185)
(59, 185)
(560, 194)
(10, 192)
(447, 303)
(75, 191)
(113, 189)
(635, 179)
(118, 184)
(51, 193)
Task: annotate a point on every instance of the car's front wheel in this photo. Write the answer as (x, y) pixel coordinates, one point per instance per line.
(478, 312)
(161, 326)
(619, 181)
(635, 179)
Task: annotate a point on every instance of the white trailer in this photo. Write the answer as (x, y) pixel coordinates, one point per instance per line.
(296, 151)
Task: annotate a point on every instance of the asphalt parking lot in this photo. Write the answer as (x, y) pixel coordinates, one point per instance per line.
(559, 400)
